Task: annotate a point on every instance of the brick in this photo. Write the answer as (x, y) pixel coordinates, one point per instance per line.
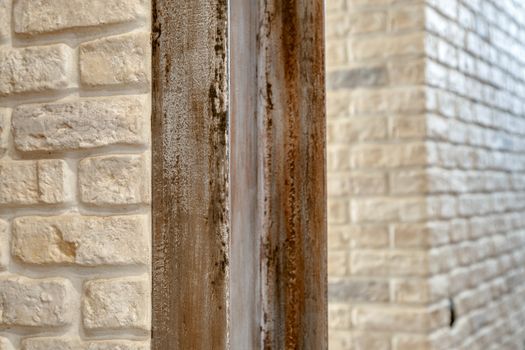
(368, 236)
(367, 22)
(356, 77)
(338, 263)
(392, 319)
(409, 127)
(81, 125)
(118, 345)
(362, 183)
(35, 69)
(388, 209)
(406, 18)
(369, 340)
(358, 290)
(389, 263)
(4, 244)
(407, 71)
(388, 155)
(4, 19)
(120, 303)
(4, 130)
(114, 180)
(122, 60)
(70, 343)
(357, 129)
(81, 240)
(412, 342)
(408, 182)
(339, 316)
(32, 17)
(33, 182)
(35, 302)
(47, 343)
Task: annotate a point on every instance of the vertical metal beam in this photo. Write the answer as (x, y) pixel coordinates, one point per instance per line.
(239, 258)
(190, 175)
(292, 126)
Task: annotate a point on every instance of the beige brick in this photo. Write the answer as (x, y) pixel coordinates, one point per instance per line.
(408, 182)
(382, 46)
(357, 129)
(5, 344)
(367, 22)
(35, 69)
(118, 345)
(387, 209)
(412, 342)
(420, 235)
(338, 211)
(85, 241)
(4, 19)
(114, 180)
(369, 340)
(389, 263)
(414, 291)
(33, 182)
(33, 17)
(120, 303)
(362, 183)
(350, 290)
(409, 127)
(406, 18)
(368, 236)
(388, 155)
(122, 60)
(338, 264)
(340, 316)
(70, 343)
(47, 343)
(35, 302)
(4, 244)
(396, 319)
(406, 71)
(4, 130)
(80, 125)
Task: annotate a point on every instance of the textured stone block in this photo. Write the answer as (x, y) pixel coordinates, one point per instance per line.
(79, 125)
(122, 303)
(389, 263)
(45, 343)
(35, 302)
(114, 180)
(119, 345)
(35, 69)
(85, 241)
(4, 20)
(357, 77)
(4, 130)
(122, 60)
(4, 244)
(33, 17)
(358, 290)
(33, 182)
(391, 319)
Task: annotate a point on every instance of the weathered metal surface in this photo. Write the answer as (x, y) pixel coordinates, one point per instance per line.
(292, 126)
(264, 284)
(190, 175)
(245, 278)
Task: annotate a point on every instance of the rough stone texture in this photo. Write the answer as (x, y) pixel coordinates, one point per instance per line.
(116, 61)
(4, 239)
(35, 69)
(68, 343)
(426, 156)
(64, 65)
(4, 20)
(85, 241)
(122, 303)
(118, 345)
(33, 182)
(4, 130)
(45, 343)
(114, 180)
(33, 17)
(79, 125)
(35, 302)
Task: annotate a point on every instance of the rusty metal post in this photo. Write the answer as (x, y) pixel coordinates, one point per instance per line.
(239, 222)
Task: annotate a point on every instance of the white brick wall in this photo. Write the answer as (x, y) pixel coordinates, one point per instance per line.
(75, 174)
(426, 156)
